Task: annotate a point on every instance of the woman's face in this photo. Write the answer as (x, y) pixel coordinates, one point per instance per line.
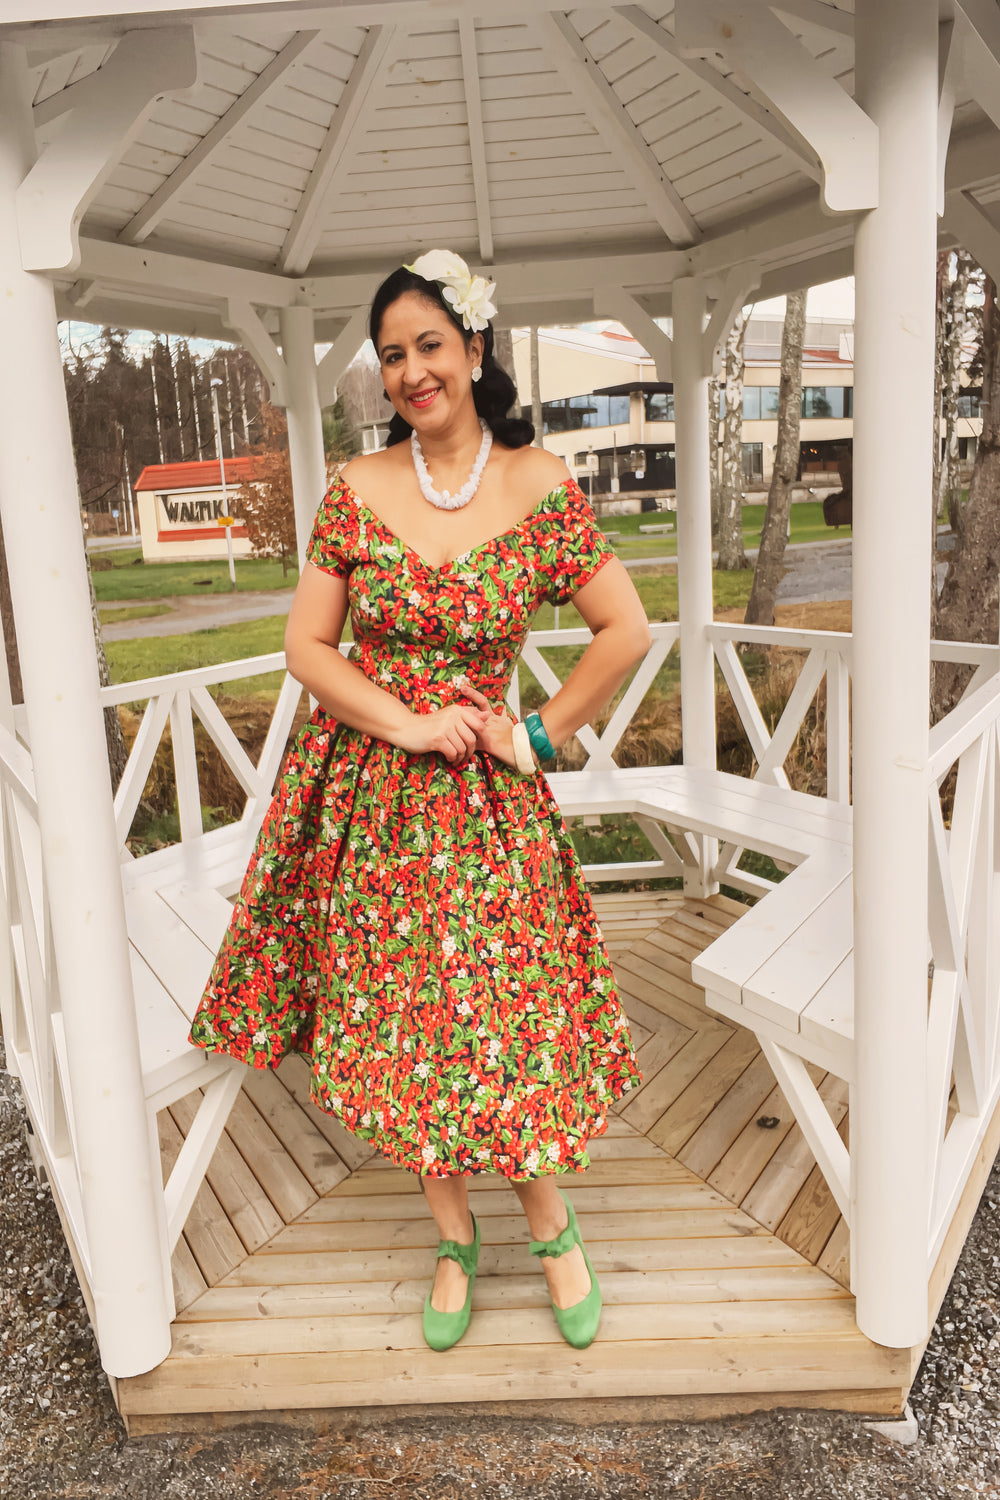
(426, 364)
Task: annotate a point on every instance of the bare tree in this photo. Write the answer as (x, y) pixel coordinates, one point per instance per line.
(731, 554)
(967, 607)
(948, 498)
(774, 534)
(536, 388)
(714, 450)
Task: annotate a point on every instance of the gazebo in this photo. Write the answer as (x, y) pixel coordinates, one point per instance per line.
(251, 170)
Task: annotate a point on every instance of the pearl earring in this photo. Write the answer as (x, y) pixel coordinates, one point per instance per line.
(477, 373)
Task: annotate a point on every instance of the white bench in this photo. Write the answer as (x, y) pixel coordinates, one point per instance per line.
(659, 529)
(784, 970)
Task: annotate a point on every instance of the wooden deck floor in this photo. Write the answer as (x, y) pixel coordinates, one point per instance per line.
(302, 1270)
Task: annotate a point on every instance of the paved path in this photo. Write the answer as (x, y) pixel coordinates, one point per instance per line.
(814, 571)
(197, 612)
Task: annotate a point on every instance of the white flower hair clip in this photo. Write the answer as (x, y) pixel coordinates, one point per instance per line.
(469, 295)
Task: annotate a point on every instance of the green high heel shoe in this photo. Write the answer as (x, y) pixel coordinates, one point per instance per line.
(441, 1329)
(577, 1324)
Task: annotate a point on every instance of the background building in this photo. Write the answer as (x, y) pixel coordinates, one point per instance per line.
(180, 506)
(607, 415)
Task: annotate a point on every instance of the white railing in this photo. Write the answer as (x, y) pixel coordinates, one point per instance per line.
(179, 698)
(30, 1010)
(963, 1021)
(963, 1027)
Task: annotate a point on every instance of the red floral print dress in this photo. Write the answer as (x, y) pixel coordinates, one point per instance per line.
(423, 933)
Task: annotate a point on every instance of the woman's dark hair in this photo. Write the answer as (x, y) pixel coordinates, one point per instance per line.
(494, 394)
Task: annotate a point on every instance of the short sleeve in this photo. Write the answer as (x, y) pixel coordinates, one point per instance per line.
(578, 549)
(333, 542)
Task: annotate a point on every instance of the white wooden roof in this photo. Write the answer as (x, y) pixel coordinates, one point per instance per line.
(321, 144)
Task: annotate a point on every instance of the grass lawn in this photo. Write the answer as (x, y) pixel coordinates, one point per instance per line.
(132, 612)
(130, 578)
(153, 656)
(807, 526)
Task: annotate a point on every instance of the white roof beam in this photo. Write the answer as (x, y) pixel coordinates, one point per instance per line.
(249, 329)
(644, 25)
(817, 13)
(477, 138)
(520, 281)
(981, 54)
(145, 221)
(969, 222)
(733, 294)
(751, 40)
(949, 79)
(619, 131)
(340, 353)
(157, 271)
(616, 302)
(71, 170)
(348, 121)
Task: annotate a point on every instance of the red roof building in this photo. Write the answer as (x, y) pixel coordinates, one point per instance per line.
(180, 506)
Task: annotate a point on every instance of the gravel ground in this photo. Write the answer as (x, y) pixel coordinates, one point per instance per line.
(61, 1436)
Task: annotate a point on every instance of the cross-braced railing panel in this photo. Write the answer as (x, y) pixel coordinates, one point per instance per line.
(177, 700)
(963, 1048)
(30, 1008)
(180, 698)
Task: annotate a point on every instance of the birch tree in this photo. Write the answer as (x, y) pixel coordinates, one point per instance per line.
(774, 534)
(730, 541)
(967, 607)
(714, 450)
(949, 498)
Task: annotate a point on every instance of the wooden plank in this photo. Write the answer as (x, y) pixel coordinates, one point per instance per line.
(211, 1239)
(835, 1260)
(287, 1188)
(759, 1284)
(404, 1262)
(691, 1107)
(347, 1332)
(658, 1168)
(754, 1147)
(812, 1218)
(295, 1073)
(777, 1186)
(188, 1282)
(306, 1146)
(793, 974)
(330, 1237)
(648, 1107)
(638, 1367)
(236, 1188)
(741, 1105)
(489, 1203)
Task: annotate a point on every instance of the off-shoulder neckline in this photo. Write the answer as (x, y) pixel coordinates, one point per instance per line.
(470, 551)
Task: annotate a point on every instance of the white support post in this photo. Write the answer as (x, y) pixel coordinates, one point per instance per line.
(897, 86)
(305, 420)
(121, 1182)
(694, 531)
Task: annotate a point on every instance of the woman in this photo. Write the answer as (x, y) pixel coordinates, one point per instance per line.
(414, 918)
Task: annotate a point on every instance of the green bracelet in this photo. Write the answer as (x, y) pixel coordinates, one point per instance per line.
(539, 738)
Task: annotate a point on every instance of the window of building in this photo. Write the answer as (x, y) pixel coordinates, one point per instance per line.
(659, 406)
(970, 403)
(753, 461)
(573, 413)
(824, 401)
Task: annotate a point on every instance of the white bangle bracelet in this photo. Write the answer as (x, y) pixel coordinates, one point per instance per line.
(524, 758)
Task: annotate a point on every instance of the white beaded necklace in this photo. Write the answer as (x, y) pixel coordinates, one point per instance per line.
(441, 498)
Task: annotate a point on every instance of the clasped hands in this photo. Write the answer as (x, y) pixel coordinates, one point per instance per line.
(458, 730)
